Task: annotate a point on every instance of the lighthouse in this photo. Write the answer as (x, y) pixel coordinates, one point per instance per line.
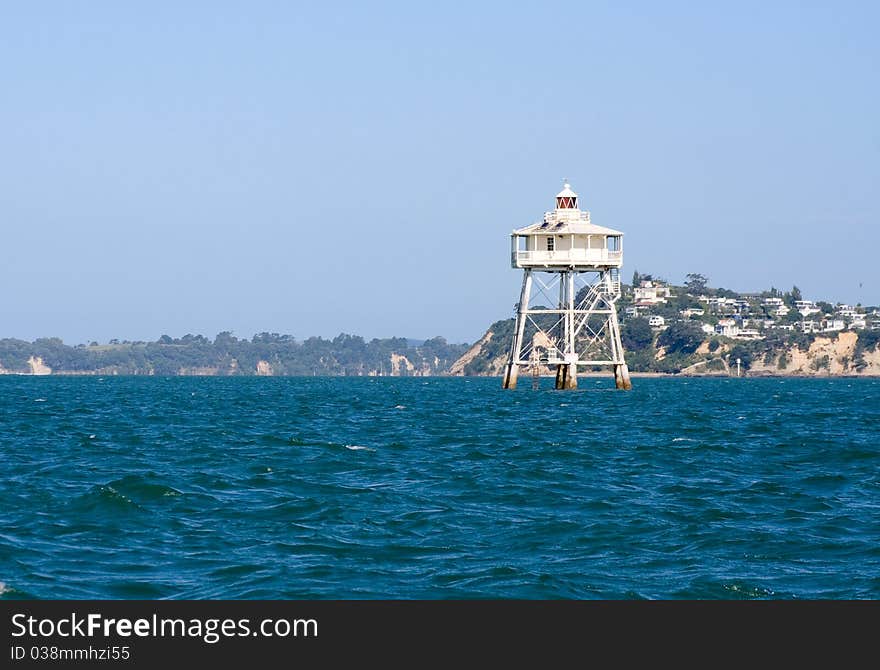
(566, 315)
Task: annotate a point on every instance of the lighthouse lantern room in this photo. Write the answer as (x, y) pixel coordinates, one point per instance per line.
(566, 316)
(566, 239)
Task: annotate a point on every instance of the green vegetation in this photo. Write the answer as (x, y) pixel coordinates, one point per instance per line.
(695, 314)
(744, 354)
(681, 337)
(497, 346)
(229, 355)
(636, 334)
(784, 360)
(820, 363)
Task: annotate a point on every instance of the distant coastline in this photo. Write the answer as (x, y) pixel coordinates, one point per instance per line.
(690, 330)
(266, 354)
(835, 355)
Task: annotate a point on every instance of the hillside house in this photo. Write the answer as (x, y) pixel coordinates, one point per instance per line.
(748, 334)
(806, 307)
(727, 328)
(650, 292)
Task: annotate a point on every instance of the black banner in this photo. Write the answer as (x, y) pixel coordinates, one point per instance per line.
(264, 634)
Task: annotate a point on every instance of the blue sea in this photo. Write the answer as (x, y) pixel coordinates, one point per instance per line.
(187, 487)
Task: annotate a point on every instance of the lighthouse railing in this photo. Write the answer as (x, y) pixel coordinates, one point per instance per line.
(569, 256)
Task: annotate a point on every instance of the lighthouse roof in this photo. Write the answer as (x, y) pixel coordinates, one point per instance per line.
(566, 192)
(551, 224)
(567, 218)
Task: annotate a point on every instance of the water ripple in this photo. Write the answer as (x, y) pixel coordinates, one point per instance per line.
(438, 488)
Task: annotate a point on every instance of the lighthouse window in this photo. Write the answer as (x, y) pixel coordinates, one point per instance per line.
(550, 243)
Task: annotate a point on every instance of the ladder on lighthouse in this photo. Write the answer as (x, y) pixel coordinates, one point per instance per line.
(536, 369)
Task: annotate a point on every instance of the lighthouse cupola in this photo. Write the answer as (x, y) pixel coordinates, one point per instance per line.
(566, 198)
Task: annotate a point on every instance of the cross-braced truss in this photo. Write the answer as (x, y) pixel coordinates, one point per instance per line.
(568, 317)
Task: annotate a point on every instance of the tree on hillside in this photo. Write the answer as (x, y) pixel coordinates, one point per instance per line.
(681, 337)
(791, 296)
(225, 339)
(793, 316)
(636, 334)
(744, 354)
(696, 283)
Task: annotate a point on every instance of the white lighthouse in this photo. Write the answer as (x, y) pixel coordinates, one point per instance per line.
(566, 315)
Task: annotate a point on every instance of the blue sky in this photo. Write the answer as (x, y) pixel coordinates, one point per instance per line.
(198, 167)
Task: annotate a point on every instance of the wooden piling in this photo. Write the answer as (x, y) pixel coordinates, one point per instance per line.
(621, 377)
(571, 380)
(511, 373)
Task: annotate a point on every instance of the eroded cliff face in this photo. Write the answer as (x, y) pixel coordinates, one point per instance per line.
(38, 367)
(458, 367)
(826, 356)
(399, 364)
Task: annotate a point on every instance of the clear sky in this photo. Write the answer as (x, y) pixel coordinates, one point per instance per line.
(310, 169)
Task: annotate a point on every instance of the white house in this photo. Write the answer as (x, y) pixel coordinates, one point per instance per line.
(806, 307)
(651, 292)
(729, 305)
(691, 311)
(776, 306)
(656, 321)
(847, 312)
(748, 334)
(727, 328)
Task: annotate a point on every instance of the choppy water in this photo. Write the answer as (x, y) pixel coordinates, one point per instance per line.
(438, 488)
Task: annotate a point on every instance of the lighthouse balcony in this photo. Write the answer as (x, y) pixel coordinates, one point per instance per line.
(521, 258)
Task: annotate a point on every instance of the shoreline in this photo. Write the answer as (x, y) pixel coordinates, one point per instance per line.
(581, 375)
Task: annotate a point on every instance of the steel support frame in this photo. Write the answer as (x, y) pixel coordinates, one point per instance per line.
(583, 334)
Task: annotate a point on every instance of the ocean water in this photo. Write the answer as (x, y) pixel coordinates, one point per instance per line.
(438, 488)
